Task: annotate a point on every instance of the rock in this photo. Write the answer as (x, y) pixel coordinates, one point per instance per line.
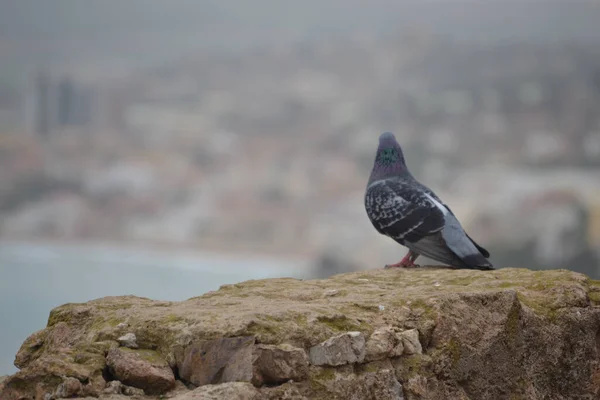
(69, 388)
(398, 349)
(143, 369)
(30, 349)
(278, 364)
(374, 380)
(408, 366)
(43, 375)
(128, 340)
(122, 325)
(343, 349)
(287, 391)
(113, 387)
(110, 397)
(487, 335)
(217, 361)
(410, 342)
(229, 391)
(131, 391)
(381, 344)
(60, 337)
(180, 389)
(116, 387)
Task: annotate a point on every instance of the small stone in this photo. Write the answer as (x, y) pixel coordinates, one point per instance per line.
(113, 387)
(330, 292)
(381, 308)
(131, 391)
(287, 391)
(229, 391)
(116, 387)
(122, 325)
(128, 340)
(143, 369)
(278, 364)
(410, 340)
(380, 344)
(343, 349)
(363, 280)
(398, 349)
(69, 388)
(93, 387)
(436, 284)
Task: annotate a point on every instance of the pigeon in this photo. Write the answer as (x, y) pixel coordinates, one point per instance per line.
(410, 213)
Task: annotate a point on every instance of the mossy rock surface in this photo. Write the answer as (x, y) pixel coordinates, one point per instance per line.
(485, 334)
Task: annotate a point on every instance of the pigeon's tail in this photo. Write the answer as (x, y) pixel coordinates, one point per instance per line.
(476, 261)
(483, 251)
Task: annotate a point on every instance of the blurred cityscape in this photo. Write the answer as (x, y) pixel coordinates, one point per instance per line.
(266, 147)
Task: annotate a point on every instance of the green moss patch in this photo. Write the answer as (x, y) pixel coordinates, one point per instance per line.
(341, 323)
(325, 374)
(151, 356)
(539, 307)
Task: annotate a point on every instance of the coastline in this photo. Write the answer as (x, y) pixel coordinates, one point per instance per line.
(212, 252)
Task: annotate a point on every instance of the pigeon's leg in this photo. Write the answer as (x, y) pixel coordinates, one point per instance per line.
(413, 257)
(407, 261)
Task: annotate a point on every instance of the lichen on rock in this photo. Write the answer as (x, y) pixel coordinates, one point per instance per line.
(128, 340)
(278, 364)
(426, 333)
(217, 361)
(143, 369)
(346, 348)
(229, 391)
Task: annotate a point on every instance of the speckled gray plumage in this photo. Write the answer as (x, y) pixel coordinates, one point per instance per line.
(411, 214)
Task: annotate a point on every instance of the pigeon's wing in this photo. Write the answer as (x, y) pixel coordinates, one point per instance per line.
(483, 251)
(399, 211)
(452, 245)
(452, 220)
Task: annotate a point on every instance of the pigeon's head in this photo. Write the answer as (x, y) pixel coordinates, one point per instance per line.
(389, 160)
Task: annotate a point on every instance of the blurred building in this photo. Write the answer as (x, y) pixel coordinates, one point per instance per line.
(268, 150)
(62, 103)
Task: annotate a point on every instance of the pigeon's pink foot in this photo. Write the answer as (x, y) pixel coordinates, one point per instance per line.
(407, 262)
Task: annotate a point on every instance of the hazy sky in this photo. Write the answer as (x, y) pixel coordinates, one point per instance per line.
(41, 30)
(114, 17)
